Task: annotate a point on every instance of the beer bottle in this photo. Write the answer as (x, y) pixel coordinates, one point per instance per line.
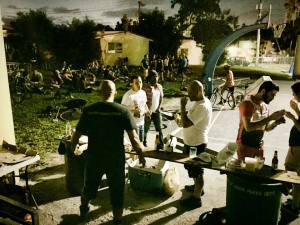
(157, 142)
(275, 161)
(68, 129)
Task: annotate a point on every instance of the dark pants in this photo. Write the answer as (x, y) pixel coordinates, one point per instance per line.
(140, 132)
(194, 171)
(115, 173)
(156, 118)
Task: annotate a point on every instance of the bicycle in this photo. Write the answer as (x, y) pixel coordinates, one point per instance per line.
(233, 98)
(20, 88)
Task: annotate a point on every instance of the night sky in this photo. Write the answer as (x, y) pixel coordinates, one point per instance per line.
(108, 12)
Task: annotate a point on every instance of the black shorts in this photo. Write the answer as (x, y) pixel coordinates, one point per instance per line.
(231, 89)
(194, 171)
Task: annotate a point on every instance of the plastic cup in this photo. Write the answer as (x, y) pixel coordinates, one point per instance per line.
(193, 152)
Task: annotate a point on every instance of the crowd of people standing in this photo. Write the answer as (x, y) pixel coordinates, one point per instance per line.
(141, 105)
(167, 67)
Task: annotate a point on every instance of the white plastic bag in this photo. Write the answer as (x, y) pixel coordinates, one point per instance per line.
(171, 181)
(226, 153)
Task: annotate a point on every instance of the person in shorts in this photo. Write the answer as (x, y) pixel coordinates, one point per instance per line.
(195, 122)
(255, 119)
(292, 160)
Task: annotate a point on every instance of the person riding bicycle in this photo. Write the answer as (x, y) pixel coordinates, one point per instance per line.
(229, 82)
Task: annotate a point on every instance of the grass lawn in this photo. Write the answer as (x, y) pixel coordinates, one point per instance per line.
(38, 132)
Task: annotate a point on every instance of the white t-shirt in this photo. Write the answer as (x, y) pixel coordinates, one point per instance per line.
(132, 99)
(200, 114)
(155, 99)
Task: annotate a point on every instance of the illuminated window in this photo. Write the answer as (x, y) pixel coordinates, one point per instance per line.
(115, 47)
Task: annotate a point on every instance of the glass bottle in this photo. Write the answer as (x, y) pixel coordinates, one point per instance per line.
(68, 129)
(275, 161)
(157, 142)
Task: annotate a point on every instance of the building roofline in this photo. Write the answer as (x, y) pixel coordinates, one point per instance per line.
(107, 33)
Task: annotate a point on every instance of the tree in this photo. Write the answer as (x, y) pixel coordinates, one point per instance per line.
(32, 36)
(36, 37)
(207, 22)
(164, 33)
(289, 35)
(75, 42)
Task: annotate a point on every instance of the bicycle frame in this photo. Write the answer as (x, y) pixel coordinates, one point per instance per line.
(230, 98)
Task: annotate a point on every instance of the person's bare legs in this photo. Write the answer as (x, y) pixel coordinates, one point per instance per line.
(194, 201)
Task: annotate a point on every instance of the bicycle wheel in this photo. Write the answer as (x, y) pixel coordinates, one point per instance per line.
(214, 97)
(234, 99)
(239, 97)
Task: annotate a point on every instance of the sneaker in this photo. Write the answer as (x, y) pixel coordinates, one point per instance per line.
(160, 147)
(190, 188)
(117, 221)
(84, 210)
(145, 143)
(191, 202)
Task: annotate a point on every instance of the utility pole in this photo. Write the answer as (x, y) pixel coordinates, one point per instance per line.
(259, 10)
(140, 4)
(139, 10)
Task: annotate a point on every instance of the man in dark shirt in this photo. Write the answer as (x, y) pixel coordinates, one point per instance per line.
(104, 123)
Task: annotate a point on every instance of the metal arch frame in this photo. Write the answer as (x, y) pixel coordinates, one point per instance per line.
(213, 57)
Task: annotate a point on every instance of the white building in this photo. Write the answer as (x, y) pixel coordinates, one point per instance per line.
(116, 45)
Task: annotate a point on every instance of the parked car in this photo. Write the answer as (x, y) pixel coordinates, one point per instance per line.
(239, 61)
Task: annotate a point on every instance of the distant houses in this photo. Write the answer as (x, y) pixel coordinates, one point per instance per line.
(121, 45)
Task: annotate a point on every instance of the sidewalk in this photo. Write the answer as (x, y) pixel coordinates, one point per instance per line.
(57, 207)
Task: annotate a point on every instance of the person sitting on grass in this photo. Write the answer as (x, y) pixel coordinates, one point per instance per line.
(36, 81)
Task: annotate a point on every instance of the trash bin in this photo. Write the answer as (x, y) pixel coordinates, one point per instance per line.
(252, 202)
(74, 169)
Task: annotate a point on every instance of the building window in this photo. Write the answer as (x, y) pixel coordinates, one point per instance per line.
(115, 47)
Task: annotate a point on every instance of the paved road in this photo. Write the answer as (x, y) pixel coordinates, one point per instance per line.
(224, 126)
(146, 208)
(223, 129)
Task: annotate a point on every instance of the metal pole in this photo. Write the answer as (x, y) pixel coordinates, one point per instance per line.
(139, 11)
(269, 17)
(259, 9)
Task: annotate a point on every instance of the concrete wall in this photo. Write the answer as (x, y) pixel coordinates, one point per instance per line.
(7, 132)
(134, 47)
